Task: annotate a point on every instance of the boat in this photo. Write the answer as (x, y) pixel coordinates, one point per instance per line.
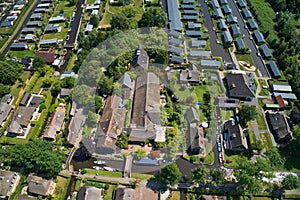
(96, 167)
(109, 169)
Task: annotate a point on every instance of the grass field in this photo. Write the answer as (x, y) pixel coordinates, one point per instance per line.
(22, 54)
(104, 173)
(71, 62)
(141, 176)
(68, 10)
(226, 114)
(175, 195)
(266, 140)
(61, 187)
(209, 158)
(261, 122)
(245, 57)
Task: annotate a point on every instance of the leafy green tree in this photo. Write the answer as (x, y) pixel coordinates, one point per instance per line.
(275, 159)
(68, 82)
(105, 85)
(91, 119)
(94, 20)
(9, 73)
(4, 89)
(154, 18)
(35, 156)
(217, 175)
(291, 182)
(169, 175)
(246, 113)
(122, 141)
(56, 86)
(120, 21)
(72, 2)
(140, 153)
(81, 94)
(38, 63)
(98, 104)
(199, 174)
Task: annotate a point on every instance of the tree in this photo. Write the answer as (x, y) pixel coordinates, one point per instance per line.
(120, 21)
(91, 120)
(35, 156)
(153, 18)
(169, 175)
(38, 63)
(94, 20)
(217, 175)
(72, 2)
(9, 73)
(56, 86)
(98, 104)
(199, 174)
(140, 153)
(4, 89)
(275, 159)
(122, 141)
(68, 82)
(291, 182)
(246, 113)
(105, 85)
(81, 94)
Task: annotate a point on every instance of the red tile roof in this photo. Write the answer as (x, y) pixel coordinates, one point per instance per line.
(49, 57)
(280, 101)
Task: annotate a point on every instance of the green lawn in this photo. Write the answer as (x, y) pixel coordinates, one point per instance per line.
(231, 157)
(226, 114)
(38, 85)
(245, 57)
(61, 187)
(104, 173)
(68, 10)
(71, 62)
(141, 176)
(209, 158)
(22, 54)
(266, 140)
(175, 195)
(261, 122)
(60, 35)
(199, 91)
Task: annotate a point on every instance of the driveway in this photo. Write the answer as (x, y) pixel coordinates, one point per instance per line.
(216, 49)
(258, 61)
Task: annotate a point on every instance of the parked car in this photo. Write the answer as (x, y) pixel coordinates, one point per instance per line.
(68, 37)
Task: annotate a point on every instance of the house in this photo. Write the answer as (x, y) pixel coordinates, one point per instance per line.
(239, 86)
(246, 13)
(20, 123)
(177, 60)
(89, 193)
(124, 194)
(278, 127)
(140, 59)
(19, 46)
(174, 33)
(210, 63)
(231, 19)
(44, 5)
(222, 25)
(91, 7)
(88, 28)
(192, 33)
(265, 51)
(242, 4)
(223, 2)
(176, 50)
(288, 96)
(226, 37)
(187, 7)
(273, 69)
(228, 103)
(36, 16)
(194, 26)
(48, 56)
(50, 28)
(174, 16)
(65, 92)
(200, 53)
(259, 37)
(125, 83)
(23, 197)
(28, 38)
(34, 24)
(252, 24)
(4, 112)
(198, 43)
(218, 13)
(188, 2)
(75, 129)
(196, 140)
(281, 102)
(7, 23)
(8, 99)
(190, 12)
(145, 116)
(190, 75)
(56, 123)
(214, 4)
(41, 10)
(8, 183)
(240, 44)
(233, 136)
(25, 99)
(53, 41)
(28, 30)
(227, 10)
(282, 88)
(68, 74)
(57, 19)
(175, 41)
(38, 186)
(235, 30)
(190, 17)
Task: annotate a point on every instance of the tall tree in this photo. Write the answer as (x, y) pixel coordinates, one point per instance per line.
(94, 20)
(246, 113)
(217, 175)
(199, 174)
(169, 175)
(291, 182)
(9, 73)
(38, 63)
(120, 21)
(154, 18)
(275, 159)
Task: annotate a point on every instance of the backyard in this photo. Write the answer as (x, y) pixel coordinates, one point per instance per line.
(61, 187)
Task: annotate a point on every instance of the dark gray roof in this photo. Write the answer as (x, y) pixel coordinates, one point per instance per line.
(140, 58)
(272, 66)
(191, 12)
(226, 37)
(278, 127)
(214, 3)
(174, 16)
(28, 30)
(125, 80)
(174, 33)
(191, 115)
(252, 24)
(223, 2)
(38, 185)
(125, 193)
(199, 53)
(238, 86)
(6, 178)
(198, 43)
(176, 50)
(231, 19)
(21, 119)
(222, 24)
(6, 99)
(240, 44)
(227, 9)
(188, 1)
(25, 99)
(235, 138)
(34, 23)
(192, 33)
(246, 13)
(175, 41)
(259, 37)
(19, 45)
(218, 13)
(4, 111)
(190, 17)
(242, 3)
(74, 130)
(235, 30)
(177, 59)
(187, 6)
(194, 25)
(189, 75)
(265, 51)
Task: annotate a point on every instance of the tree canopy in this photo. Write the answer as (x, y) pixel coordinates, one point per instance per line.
(246, 114)
(169, 175)
(217, 175)
(291, 182)
(199, 174)
(9, 73)
(120, 21)
(38, 63)
(35, 156)
(154, 18)
(94, 20)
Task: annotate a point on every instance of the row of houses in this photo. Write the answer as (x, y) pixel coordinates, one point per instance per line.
(11, 14)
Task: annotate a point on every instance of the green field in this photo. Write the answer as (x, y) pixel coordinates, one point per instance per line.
(266, 139)
(104, 173)
(245, 57)
(261, 122)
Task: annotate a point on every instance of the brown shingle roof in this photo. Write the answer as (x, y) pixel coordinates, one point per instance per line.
(49, 56)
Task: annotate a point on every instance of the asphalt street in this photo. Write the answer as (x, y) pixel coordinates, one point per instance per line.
(216, 49)
(250, 42)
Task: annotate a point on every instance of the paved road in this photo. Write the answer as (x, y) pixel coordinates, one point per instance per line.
(255, 129)
(15, 35)
(250, 43)
(216, 49)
